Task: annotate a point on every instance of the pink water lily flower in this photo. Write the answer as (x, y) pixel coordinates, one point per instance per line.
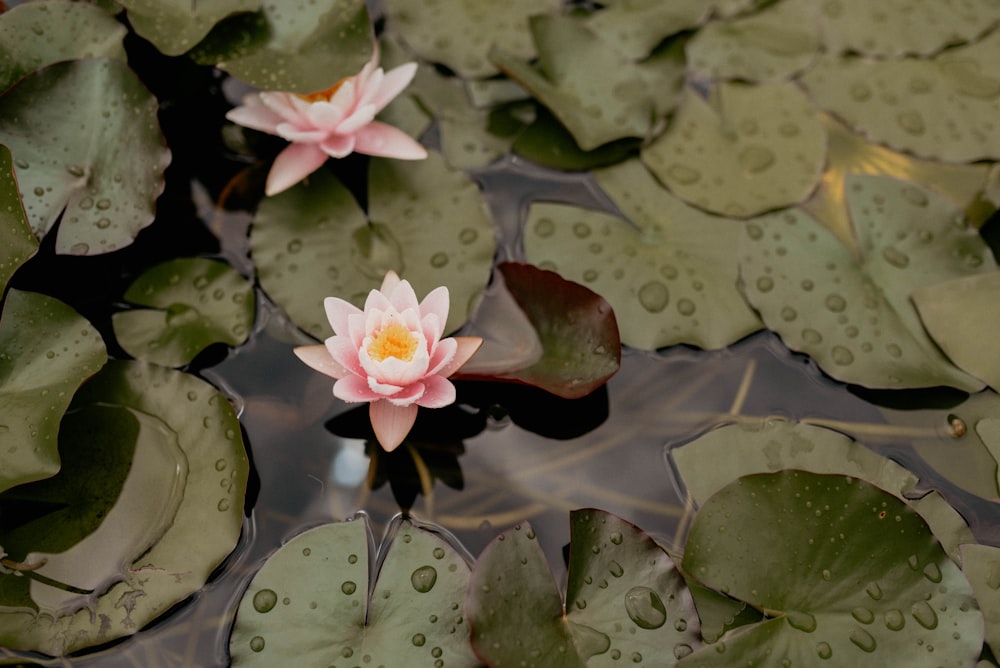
(331, 123)
(391, 355)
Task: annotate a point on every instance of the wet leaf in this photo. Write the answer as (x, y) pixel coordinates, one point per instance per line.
(719, 613)
(460, 33)
(87, 145)
(46, 351)
(576, 329)
(668, 271)
(192, 303)
(625, 600)
(942, 108)
(903, 26)
(811, 551)
(852, 314)
(311, 601)
(174, 26)
(958, 314)
(981, 564)
(36, 34)
(771, 45)
(302, 48)
(745, 150)
(194, 434)
(17, 242)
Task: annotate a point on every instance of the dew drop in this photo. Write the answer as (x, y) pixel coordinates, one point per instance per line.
(924, 614)
(352, 559)
(802, 621)
(874, 591)
(862, 639)
(811, 336)
(894, 620)
(863, 615)
(842, 356)
(645, 608)
(681, 650)
(756, 159)
(788, 314)
(654, 296)
(807, 285)
(265, 600)
(911, 121)
(418, 639)
(932, 572)
(835, 303)
(39, 191)
(765, 283)
(257, 644)
(685, 307)
(545, 227)
(423, 579)
(616, 569)
(439, 260)
(895, 257)
(468, 235)
(861, 92)
(348, 587)
(823, 650)
(683, 175)
(438, 552)
(616, 538)
(581, 230)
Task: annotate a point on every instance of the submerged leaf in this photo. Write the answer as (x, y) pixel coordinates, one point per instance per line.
(46, 351)
(812, 551)
(312, 601)
(100, 166)
(174, 26)
(17, 242)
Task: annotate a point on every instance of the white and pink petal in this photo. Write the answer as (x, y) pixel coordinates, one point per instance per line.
(391, 423)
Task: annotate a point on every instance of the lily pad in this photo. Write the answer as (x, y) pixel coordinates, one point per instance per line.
(17, 242)
(719, 613)
(635, 27)
(771, 45)
(898, 27)
(668, 271)
(773, 132)
(812, 552)
(312, 600)
(460, 33)
(174, 26)
(192, 303)
(298, 48)
(201, 435)
(87, 145)
(625, 600)
(576, 329)
(958, 314)
(852, 314)
(943, 108)
(981, 564)
(46, 351)
(36, 34)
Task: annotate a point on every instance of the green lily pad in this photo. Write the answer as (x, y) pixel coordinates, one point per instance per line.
(301, 48)
(773, 132)
(200, 448)
(668, 271)
(625, 600)
(46, 351)
(902, 27)
(981, 564)
(87, 145)
(719, 613)
(192, 303)
(174, 26)
(460, 33)
(957, 314)
(17, 242)
(595, 91)
(36, 34)
(576, 331)
(312, 601)
(635, 27)
(811, 551)
(852, 314)
(771, 45)
(943, 108)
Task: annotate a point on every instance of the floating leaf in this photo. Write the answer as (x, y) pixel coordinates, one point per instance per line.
(576, 328)
(958, 314)
(193, 303)
(86, 139)
(746, 150)
(900, 27)
(176, 410)
(635, 27)
(624, 600)
(813, 552)
(174, 26)
(460, 33)
(36, 34)
(17, 242)
(303, 48)
(669, 272)
(944, 108)
(852, 314)
(981, 564)
(311, 601)
(46, 351)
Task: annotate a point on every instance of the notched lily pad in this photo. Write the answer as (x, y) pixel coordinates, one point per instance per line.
(813, 551)
(312, 600)
(87, 145)
(625, 600)
(853, 314)
(36, 34)
(46, 351)
(191, 304)
(17, 242)
(174, 26)
(743, 151)
(668, 271)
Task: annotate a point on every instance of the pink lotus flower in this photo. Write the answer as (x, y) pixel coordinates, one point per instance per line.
(331, 123)
(392, 355)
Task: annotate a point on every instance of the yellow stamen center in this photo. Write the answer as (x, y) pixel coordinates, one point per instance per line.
(393, 340)
(323, 95)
